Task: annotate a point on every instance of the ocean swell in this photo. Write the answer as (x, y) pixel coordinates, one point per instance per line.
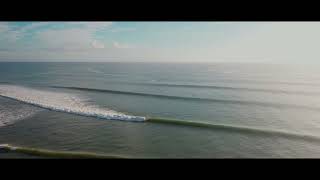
(199, 99)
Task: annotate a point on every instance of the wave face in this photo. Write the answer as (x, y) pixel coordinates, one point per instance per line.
(56, 154)
(62, 102)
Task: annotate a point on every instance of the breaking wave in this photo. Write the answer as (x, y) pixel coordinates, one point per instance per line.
(62, 102)
(13, 112)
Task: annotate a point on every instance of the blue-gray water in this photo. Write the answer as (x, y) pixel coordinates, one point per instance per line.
(192, 110)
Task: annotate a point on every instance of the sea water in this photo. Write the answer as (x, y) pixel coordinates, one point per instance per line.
(161, 110)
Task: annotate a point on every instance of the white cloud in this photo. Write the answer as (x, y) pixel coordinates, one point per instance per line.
(93, 26)
(33, 26)
(128, 29)
(13, 35)
(66, 39)
(122, 45)
(98, 25)
(266, 41)
(98, 45)
(79, 37)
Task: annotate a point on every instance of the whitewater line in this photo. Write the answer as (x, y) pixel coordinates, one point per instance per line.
(62, 102)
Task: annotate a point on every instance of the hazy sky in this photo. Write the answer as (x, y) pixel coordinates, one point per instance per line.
(160, 41)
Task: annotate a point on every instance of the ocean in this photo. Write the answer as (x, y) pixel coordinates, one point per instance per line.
(159, 110)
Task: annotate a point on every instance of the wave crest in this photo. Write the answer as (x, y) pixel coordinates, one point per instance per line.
(62, 102)
(199, 99)
(239, 129)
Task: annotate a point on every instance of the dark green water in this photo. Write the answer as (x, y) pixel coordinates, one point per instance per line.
(191, 110)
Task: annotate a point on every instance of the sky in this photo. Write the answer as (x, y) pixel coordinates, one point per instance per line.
(160, 41)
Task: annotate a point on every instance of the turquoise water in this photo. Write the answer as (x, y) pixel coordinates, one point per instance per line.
(158, 110)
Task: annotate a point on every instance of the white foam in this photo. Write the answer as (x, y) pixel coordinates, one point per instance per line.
(7, 146)
(11, 113)
(63, 102)
(3, 146)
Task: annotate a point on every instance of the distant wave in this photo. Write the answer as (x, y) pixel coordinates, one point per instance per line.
(107, 74)
(222, 101)
(62, 102)
(269, 82)
(240, 129)
(250, 81)
(95, 71)
(228, 88)
(56, 154)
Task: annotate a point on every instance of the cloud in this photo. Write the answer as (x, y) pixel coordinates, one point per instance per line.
(33, 26)
(12, 35)
(96, 26)
(128, 29)
(259, 41)
(4, 27)
(79, 36)
(63, 40)
(66, 39)
(285, 41)
(98, 45)
(6, 34)
(122, 45)
(16, 34)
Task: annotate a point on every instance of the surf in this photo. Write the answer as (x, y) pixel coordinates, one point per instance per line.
(71, 103)
(11, 113)
(62, 102)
